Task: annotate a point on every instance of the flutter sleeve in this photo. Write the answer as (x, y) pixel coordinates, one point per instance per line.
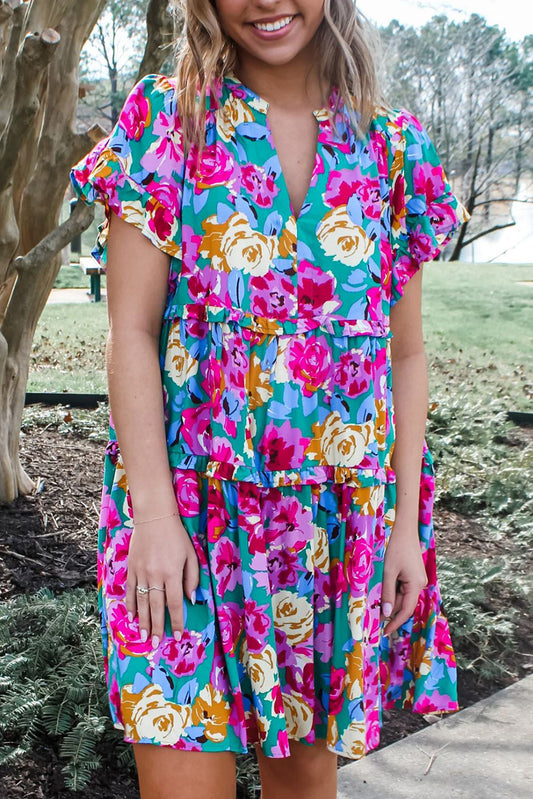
(425, 211)
(137, 170)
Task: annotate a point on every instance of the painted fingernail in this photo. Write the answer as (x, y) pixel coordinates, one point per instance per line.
(155, 641)
(144, 635)
(193, 597)
(130, 615)
(177, 635)
(387, 609)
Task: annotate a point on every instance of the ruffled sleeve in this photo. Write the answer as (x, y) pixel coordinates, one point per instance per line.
(137, 170)
(425, 211)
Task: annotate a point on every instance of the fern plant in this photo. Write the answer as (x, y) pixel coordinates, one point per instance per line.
(52, 683)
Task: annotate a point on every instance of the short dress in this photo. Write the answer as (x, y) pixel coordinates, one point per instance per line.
(277, 386)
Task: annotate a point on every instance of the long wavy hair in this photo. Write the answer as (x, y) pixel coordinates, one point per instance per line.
(348, 46)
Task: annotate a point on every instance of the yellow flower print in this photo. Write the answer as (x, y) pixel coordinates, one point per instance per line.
(356, 611)
(369, 499)
(287, 241)
(294, 615)
(149, 715)
(339, 444)
(321, 549)
(235, 245)
(233, 113)
(262, 668)
(354, 672)
(353, 739)
(211, 710)
(299, 716)
(342, 240)
(179, 363)
(259, 387)
(381, 422)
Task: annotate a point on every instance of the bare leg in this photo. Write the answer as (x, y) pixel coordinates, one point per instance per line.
(166, 773)
(309, 773)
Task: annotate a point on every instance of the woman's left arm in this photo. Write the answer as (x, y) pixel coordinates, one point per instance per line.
(404, 571)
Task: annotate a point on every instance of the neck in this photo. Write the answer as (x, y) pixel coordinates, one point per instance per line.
(290, 86)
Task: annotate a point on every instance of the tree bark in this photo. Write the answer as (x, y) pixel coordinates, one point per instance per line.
(162, 28)
(37, 147)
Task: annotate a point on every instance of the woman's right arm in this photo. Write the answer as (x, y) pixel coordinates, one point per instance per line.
(161, 552)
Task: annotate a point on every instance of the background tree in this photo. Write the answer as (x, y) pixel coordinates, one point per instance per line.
(40, 46)
(472, 88)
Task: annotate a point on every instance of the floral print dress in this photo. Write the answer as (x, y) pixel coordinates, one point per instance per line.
(277, 386)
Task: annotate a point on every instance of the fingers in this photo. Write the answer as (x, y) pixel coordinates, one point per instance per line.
(191, 576)
(388, 596)
(404, 607)
(174, 599)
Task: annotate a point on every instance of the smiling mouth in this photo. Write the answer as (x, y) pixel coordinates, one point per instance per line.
(278, 25)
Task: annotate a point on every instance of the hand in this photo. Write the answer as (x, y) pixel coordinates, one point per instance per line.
(162, 554)
(403, 579)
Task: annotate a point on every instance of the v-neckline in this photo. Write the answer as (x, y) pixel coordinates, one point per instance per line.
(258, 103)
(283, 182)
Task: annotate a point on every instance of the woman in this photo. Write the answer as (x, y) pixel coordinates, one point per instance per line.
(266, 221)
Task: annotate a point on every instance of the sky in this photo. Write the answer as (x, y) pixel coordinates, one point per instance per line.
(516, 16)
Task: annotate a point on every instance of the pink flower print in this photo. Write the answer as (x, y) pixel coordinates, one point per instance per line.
(109, 515)
(126, 632)
(359, 566)
(277, 700)
(217, 513)
(165, 158)
(322, 594)
(216, 167)
(421, 245)
(190, 243)
(443, 644)
(231, 623)
(272, 296)
(235, 363)
(324, 641)
(311, 364)
(442, 217)
(353, 373)
(428, 181)
(259, 184)
(168, 194)
(222, 451)
(187, 492)
(257, 624)
(226, 565)
(345, 183)
(316, 290)
(136, 116)
(285, 652)
(427, 486)
(290, 525)
(336, 699)
(283, 447)
(160, 219)
(183, 656)
(196, 429)
(283, 568)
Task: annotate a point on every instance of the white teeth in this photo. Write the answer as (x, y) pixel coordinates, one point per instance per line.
(273, 26)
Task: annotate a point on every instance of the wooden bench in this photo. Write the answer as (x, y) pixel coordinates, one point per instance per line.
(94, 270)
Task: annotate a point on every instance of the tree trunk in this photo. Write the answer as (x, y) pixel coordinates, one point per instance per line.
(37, 147)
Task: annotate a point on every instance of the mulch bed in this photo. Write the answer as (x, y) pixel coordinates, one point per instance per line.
(49, 539)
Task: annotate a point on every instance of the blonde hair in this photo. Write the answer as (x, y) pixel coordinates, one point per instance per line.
(348, 49)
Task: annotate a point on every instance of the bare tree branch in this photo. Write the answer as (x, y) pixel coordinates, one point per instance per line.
(160, 25)
(486, 232)
(79, 220)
